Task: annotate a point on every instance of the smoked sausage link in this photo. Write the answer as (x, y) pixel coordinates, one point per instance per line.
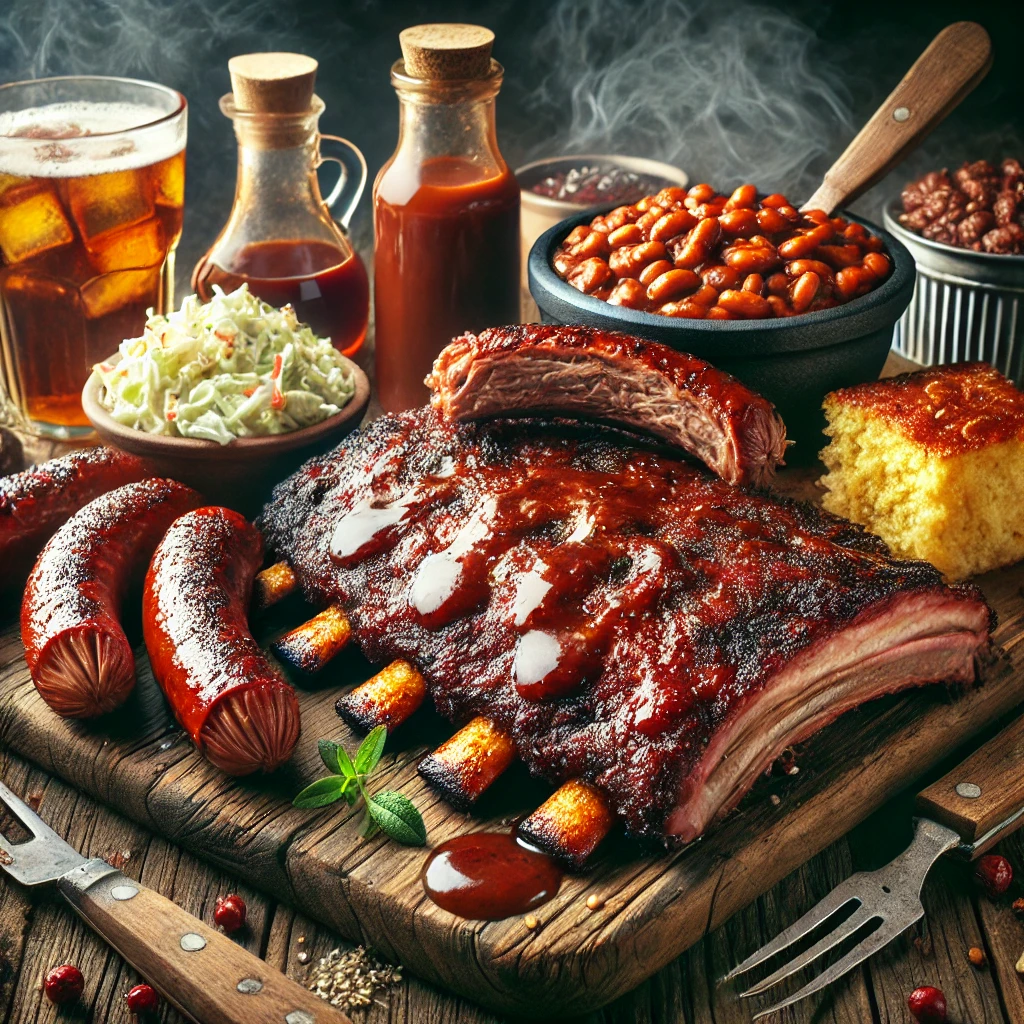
(34, 503)
(224, 691)
(77, 652)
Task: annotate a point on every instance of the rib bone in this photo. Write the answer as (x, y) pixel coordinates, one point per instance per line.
(570, 824)
(273, 584)
(468, 763)
(310, 646)
(389, 698)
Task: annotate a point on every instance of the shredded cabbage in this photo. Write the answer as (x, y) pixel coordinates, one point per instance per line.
(232, 367)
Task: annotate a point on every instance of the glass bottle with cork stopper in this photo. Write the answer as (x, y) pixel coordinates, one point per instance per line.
(446, 210)
(281, 238)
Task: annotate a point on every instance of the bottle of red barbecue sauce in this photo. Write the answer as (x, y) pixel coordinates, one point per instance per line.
(281, 237)
(446, 210)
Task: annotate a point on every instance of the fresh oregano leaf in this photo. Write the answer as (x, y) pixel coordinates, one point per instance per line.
(397, 818)
(369, 827)
(323, 792)
(345, 764)
(370, 750)
(389, 812)
(329, 755)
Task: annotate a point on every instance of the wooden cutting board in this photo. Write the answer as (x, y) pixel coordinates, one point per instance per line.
(654, 904)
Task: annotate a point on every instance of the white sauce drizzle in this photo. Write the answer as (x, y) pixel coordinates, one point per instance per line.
(531, 589)
(358, 527)
(438, 574)
(537, 656)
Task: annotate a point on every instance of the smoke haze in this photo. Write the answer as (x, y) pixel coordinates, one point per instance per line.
(675, 80)
(768, 92)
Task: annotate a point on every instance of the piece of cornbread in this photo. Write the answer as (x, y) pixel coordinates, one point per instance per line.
(933, 463)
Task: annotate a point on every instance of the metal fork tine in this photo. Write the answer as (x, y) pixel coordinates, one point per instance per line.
(871, 945)
(835, 900)
(26, 816)
(859, 917)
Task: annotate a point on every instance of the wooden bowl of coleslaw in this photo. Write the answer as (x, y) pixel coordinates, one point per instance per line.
(239, 474)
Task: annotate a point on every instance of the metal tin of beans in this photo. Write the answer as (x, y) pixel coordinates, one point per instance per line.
(967, 305)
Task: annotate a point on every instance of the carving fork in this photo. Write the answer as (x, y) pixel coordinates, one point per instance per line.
(209, 978)
(968, 811)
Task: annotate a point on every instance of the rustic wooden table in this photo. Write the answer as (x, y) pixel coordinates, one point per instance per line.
(37, 932)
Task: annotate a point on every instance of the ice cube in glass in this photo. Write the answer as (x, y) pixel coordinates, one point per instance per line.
(32, 222)
(108, 202)
(169, 178)
(111, 292)
(141, 245)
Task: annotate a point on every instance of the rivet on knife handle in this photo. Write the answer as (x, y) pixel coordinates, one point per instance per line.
(983, 796)
(202, 972)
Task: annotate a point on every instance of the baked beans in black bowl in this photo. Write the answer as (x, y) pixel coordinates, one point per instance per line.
(792, 360)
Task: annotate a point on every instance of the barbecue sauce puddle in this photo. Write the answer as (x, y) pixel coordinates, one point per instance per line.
(487, 876)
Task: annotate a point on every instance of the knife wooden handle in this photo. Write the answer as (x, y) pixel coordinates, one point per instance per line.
(209, 978)
(956, 60)
(982, 793)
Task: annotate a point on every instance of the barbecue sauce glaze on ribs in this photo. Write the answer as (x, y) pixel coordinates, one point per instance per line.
(630, 619)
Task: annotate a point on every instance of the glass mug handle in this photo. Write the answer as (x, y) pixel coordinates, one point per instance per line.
(352, 179)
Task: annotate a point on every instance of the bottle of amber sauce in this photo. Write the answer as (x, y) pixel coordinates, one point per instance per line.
(446, 210)
(281, 237)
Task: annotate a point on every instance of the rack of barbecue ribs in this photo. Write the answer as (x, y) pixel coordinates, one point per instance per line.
(644, 634)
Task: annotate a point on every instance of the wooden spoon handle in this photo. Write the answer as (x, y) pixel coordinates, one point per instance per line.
(957, 59)
(209, 978)
(983, 797)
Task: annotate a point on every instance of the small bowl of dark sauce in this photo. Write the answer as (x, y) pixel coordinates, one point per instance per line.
(558, 187)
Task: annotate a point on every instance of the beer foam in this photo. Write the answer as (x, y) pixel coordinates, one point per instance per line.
(73, 140)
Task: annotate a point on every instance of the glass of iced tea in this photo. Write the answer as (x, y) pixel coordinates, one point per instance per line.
(92, 186)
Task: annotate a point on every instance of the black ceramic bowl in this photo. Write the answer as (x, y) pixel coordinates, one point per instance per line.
(794, 362)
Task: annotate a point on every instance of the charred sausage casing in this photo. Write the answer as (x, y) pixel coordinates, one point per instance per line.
(34, 503)
(77, 653)
(237, 708)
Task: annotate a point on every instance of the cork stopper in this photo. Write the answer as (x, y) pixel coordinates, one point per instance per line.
(447, 52)
(273, 83)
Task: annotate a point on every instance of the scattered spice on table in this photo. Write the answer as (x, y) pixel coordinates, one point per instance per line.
(63, 984)
(349, 980)
(230, 912)
(142, 1000)
(927, 1005)
(994, 873)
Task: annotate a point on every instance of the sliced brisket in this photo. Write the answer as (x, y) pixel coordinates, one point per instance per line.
(581, 371)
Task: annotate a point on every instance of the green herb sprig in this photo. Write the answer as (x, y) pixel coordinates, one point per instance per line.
(389, 812)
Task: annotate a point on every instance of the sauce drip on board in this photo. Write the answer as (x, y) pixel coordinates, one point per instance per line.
(446, 262)
(328, 290)
(487, 876)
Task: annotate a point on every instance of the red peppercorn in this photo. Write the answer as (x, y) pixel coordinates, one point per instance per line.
(142, 999)
(63, 984)
(928, 1005)
(230, 912)
(994, 873)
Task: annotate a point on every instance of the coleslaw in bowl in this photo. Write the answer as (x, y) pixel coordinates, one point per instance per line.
(229, 368)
